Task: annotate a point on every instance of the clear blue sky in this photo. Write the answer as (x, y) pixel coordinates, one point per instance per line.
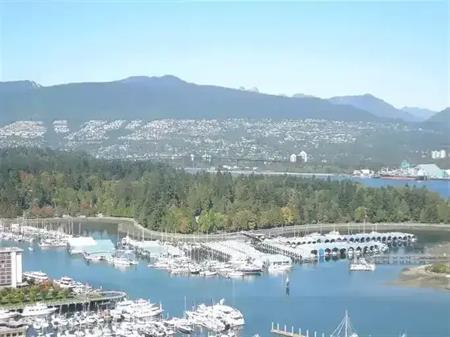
(397, 50)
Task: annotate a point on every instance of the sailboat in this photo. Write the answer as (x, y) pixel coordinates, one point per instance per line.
(345, 328)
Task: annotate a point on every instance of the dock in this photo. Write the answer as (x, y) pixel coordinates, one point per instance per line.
(418, 259)
(284, 332)
(345, 328)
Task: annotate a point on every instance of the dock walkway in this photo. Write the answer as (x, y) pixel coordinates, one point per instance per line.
(103, 300)
(276, 330)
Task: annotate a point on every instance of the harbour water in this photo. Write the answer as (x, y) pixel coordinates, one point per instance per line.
(439, 186)
(318, 295)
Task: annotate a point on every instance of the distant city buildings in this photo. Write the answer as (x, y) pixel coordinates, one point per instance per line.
(233, 141)
(421, 172)
(438, 154)
(302, 156)
(10, 267)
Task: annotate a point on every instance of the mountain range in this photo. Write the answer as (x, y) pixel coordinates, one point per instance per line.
(148, 98)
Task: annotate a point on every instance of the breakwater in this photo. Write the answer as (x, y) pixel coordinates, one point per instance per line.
(135, 230)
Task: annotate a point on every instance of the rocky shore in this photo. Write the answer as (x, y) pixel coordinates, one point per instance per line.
(421, 277)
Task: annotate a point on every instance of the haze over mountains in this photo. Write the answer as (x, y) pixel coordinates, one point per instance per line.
(170, 97)
(374, 105)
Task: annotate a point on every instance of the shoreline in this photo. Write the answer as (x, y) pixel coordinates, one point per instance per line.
(135, 230)
(419, 277)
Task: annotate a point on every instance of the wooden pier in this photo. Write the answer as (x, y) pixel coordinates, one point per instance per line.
(284, 332)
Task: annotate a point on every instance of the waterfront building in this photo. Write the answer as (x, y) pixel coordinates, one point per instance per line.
(431, 171)
(10, 267)
(293, 158)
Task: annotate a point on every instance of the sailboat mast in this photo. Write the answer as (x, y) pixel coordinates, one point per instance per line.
(346, 323)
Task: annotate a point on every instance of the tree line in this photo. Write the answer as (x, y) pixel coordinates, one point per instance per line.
(44, 183)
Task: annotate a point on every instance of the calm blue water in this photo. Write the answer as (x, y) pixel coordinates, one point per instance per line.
(319, 294)
(440, 186)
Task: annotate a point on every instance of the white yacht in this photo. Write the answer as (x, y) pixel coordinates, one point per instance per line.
(121, 261)
(65, 282)
(361, 264)
(36, 276)
(181, 325)
(208, 273)
(235, 274)
(278, 268)
(229, 315)
(37, 309)
(6, 314)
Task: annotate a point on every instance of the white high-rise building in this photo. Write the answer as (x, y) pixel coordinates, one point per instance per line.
(10, 267)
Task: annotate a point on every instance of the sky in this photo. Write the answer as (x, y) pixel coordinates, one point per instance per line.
(396, 50)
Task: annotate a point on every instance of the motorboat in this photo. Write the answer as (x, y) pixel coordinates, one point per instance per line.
(208, 273)
(235, 274)
(36, 276)
(230, 316)
(278, 268)
(65, 282)
(361, 264)
(6, 314)
(37, 309)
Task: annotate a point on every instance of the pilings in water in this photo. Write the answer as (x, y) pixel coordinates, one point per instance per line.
(283, 331)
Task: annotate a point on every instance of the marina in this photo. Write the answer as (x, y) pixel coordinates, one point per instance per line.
(112, 314)
(308, 284)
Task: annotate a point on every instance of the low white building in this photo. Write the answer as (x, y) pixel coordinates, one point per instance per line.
(10, 267)
(293, 158)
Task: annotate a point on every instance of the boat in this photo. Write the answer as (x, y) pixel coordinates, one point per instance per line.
(345, 328)
(361, 264)
(250, 269)
(65, 282)
(37, 309)
(279, 268)
(181, 325)
(6, 314)
(208, 273)
(235, 274)
(36, 276)
(231, 316)
(120, 261)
